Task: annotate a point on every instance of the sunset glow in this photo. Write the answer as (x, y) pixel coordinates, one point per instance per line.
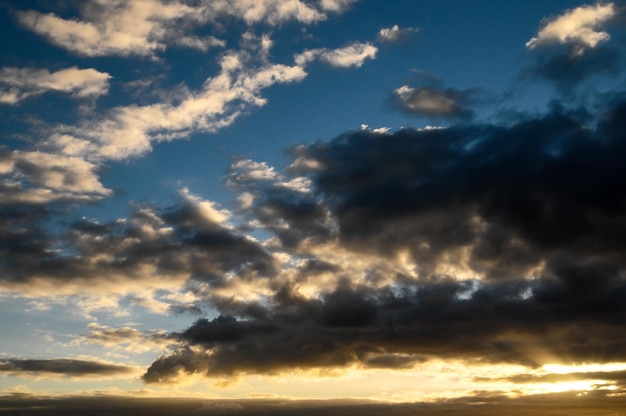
(333, 206)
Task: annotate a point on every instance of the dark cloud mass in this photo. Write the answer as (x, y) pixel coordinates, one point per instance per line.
(61, 366)
(175, 241)
(533, 213)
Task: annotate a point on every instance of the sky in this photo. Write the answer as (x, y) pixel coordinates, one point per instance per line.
(413, 206)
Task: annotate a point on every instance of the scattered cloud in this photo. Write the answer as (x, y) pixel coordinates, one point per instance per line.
(144, 255)
(127, 338)
(202, 44)
(395, 33)
(17, 84)
(115, 27)
(433, 101)
(353, 55)
(579, 27)
(128, 131)
(35, 177)
(573, 48)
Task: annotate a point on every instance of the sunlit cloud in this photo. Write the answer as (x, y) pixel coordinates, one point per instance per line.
(17, 84)
(353, 55)
(579, 26)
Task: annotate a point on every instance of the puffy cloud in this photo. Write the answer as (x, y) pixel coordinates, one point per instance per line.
(18, 84)
(433, 102)
(62, 366)
(148, 256)
(40, 177)
(116, 27)
(110, 27)
(579, 26)
(353, 55)
(571, 48)
(395, 33)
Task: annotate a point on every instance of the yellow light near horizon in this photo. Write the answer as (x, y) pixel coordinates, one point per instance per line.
(583, 368)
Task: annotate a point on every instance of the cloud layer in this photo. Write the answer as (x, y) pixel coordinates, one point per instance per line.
(511, 240)
(62, 366)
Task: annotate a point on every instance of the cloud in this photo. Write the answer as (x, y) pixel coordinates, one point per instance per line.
(336, 5)
(578, 27)
(433, 101)
(115, 27)
(353, 55)
(126, 338)
(202, 44)
(395, 34)
(18, 84)
(500, 244)
(571, 48)
(128, 131)
(566, 72)
(110, 27)
(142, 259)
(62, 366)
(35, 177)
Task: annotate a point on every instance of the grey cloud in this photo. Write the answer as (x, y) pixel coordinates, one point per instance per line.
(559, 67)
(516, 232)
(382, 328)
(608, 376)
(62, 366)
(178, 241)
(433, 101)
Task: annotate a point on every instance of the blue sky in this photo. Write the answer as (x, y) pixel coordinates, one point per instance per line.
(286, 198)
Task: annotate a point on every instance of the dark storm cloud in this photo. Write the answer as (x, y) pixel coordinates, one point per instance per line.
(382, 328)
(61, 366)
(536, 209)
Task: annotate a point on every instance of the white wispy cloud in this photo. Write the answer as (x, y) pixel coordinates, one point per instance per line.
(143, 27)
(202, 44)
(353, 55)
(581, 26)
(128, 131)
(110, 27)
(17, 84)
(336, 5)
(395, 33)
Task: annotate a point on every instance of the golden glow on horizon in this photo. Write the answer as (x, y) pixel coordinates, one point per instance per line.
(429, 381)
(584, 368)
